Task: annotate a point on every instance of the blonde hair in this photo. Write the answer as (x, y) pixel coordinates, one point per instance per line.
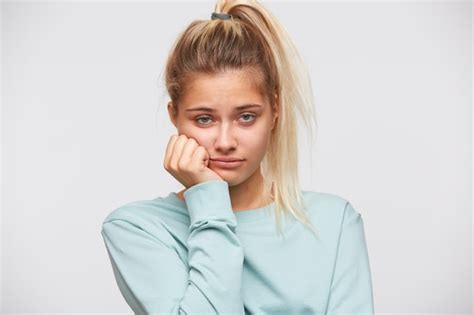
(253, 39)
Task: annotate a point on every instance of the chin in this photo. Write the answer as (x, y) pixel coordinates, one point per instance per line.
(233, 181)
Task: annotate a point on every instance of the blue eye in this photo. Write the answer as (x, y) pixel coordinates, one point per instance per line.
(207, 119)
(248, 116)
(204, 117)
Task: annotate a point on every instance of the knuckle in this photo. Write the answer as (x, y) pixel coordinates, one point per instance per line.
(182, 165)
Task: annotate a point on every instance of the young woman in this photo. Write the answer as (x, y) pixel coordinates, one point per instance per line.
(218, 246)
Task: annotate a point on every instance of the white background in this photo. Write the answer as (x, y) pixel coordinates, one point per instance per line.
(85, 126)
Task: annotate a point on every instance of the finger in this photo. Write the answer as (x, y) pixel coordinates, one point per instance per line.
(169, 150)
(200, 157)
(177, 151)
(187, 153)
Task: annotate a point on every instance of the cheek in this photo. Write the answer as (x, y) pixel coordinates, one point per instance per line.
(258, 142)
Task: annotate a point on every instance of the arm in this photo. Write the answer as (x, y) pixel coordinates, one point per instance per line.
(154, 280)
(351, 286)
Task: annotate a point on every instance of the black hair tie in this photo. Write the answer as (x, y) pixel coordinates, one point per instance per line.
(222, 16)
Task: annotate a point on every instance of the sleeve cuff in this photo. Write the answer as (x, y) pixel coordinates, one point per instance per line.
(209, 199)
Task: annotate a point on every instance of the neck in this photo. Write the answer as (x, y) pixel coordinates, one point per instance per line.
(248, 194)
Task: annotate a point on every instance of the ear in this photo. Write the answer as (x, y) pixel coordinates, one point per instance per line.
(172, 113)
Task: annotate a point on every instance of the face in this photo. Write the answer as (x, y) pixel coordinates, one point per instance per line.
(209, 113)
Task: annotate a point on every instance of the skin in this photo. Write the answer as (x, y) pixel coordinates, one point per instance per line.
(227, 132)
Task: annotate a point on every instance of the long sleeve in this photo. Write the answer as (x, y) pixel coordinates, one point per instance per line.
(351, 286)
(152, 277)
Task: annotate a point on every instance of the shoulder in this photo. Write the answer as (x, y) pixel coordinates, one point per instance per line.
(134, 212)
(328, 210)
(157, 217)
(326, 199)
(328, 202)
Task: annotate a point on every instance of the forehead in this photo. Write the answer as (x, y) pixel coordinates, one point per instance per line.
(229, 89)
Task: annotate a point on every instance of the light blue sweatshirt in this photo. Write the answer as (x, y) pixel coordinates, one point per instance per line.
(197, 256)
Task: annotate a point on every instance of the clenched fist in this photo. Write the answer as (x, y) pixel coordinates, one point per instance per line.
(187, 161)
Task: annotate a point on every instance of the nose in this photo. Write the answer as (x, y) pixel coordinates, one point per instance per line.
(225, 140)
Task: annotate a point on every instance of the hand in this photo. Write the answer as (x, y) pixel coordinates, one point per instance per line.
(187, 161)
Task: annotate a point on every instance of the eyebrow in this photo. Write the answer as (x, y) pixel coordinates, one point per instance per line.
(207, 109)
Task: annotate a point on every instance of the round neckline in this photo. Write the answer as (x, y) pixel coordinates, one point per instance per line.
(247, 215)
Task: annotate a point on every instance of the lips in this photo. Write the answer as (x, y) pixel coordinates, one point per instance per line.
(227, 159)
(226, 164)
